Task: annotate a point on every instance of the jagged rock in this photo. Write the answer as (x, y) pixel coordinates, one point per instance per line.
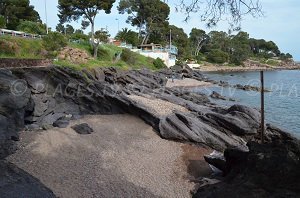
(83, 129)
(14, 97)
(216, 95)
(62, 122)
(265, 170)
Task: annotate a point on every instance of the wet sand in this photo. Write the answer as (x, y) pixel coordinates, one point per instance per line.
(124, 157)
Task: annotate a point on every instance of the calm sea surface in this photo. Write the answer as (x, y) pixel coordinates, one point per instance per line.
(282, 104)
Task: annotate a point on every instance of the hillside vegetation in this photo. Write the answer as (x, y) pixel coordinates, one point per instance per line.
(108, 55)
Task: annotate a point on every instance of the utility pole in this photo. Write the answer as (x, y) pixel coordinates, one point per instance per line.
(170, 39)
(46, 16)
(118, 25)
(262, 107)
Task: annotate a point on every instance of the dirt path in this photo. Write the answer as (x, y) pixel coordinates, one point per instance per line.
(124, 157)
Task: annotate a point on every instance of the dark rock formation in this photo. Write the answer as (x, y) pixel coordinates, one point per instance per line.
(82, 129)
(16, 183)
(216, 95)
(53, 93)
(266, 170)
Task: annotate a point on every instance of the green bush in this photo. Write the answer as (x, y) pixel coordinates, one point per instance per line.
(32, 27)
(54, 41)
(104, 54)
(2, 22)
(9, 48)
(129, 57)
(159, 64)
(217, 56)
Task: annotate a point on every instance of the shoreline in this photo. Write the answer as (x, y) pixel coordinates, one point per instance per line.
(243, 69)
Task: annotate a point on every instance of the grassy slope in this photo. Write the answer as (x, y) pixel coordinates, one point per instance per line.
(21, 47)
(33, 49)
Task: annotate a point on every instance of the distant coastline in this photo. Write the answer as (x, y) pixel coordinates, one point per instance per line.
(244, 69)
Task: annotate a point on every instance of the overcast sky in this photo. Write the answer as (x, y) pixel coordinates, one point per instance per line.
(280, 24)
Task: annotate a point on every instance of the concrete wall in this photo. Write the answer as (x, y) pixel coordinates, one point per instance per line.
(162, 55)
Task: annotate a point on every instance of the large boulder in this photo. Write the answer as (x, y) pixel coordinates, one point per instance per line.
(14, 98)
(265, 170)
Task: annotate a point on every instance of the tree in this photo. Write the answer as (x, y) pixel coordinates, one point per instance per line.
(145, 14)
(240, 48)
(214, 10)
(101, 36)
(60, 28)
(84, 24)
(197, 40)
(69, 29)
(53, 42)
(15, 11)
(217, 56)
(32, 27)
(75, 9)
(128, 36)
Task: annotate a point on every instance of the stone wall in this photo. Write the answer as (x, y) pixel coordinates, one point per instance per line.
(14, 63)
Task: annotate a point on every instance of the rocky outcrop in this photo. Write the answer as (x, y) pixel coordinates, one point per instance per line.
(14, 101)
(52, 94)
(74, 55)
(265, 170)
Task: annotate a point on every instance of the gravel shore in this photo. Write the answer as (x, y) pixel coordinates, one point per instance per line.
(157, 106)
(124, 157)
(187, 82)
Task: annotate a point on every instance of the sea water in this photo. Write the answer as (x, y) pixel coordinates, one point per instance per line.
(282, 104)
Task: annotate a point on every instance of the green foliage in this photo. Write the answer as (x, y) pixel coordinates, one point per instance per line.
(102, 35)
(159, 64)
(217, 56)
(128, 36)
(104, 54)
(2, 22)
(54, 41)
(197, 40)
(14, 47)
(147, 14)
(69, 29)
(15, 11)
(32, 27)
(128, 57)
(8, 48)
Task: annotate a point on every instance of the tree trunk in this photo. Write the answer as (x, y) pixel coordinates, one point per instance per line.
(95, 46)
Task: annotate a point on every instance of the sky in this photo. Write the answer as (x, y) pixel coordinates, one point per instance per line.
(280, 23)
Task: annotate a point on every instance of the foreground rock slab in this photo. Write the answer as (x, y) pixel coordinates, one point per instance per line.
(15, 183)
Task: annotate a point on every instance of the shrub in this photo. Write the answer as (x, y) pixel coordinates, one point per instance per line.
(159, 64)
(54, 41)
(104, 54)
(217, 56)
(2, 22)
(32, 27)
(8, 48)
(129, 57)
